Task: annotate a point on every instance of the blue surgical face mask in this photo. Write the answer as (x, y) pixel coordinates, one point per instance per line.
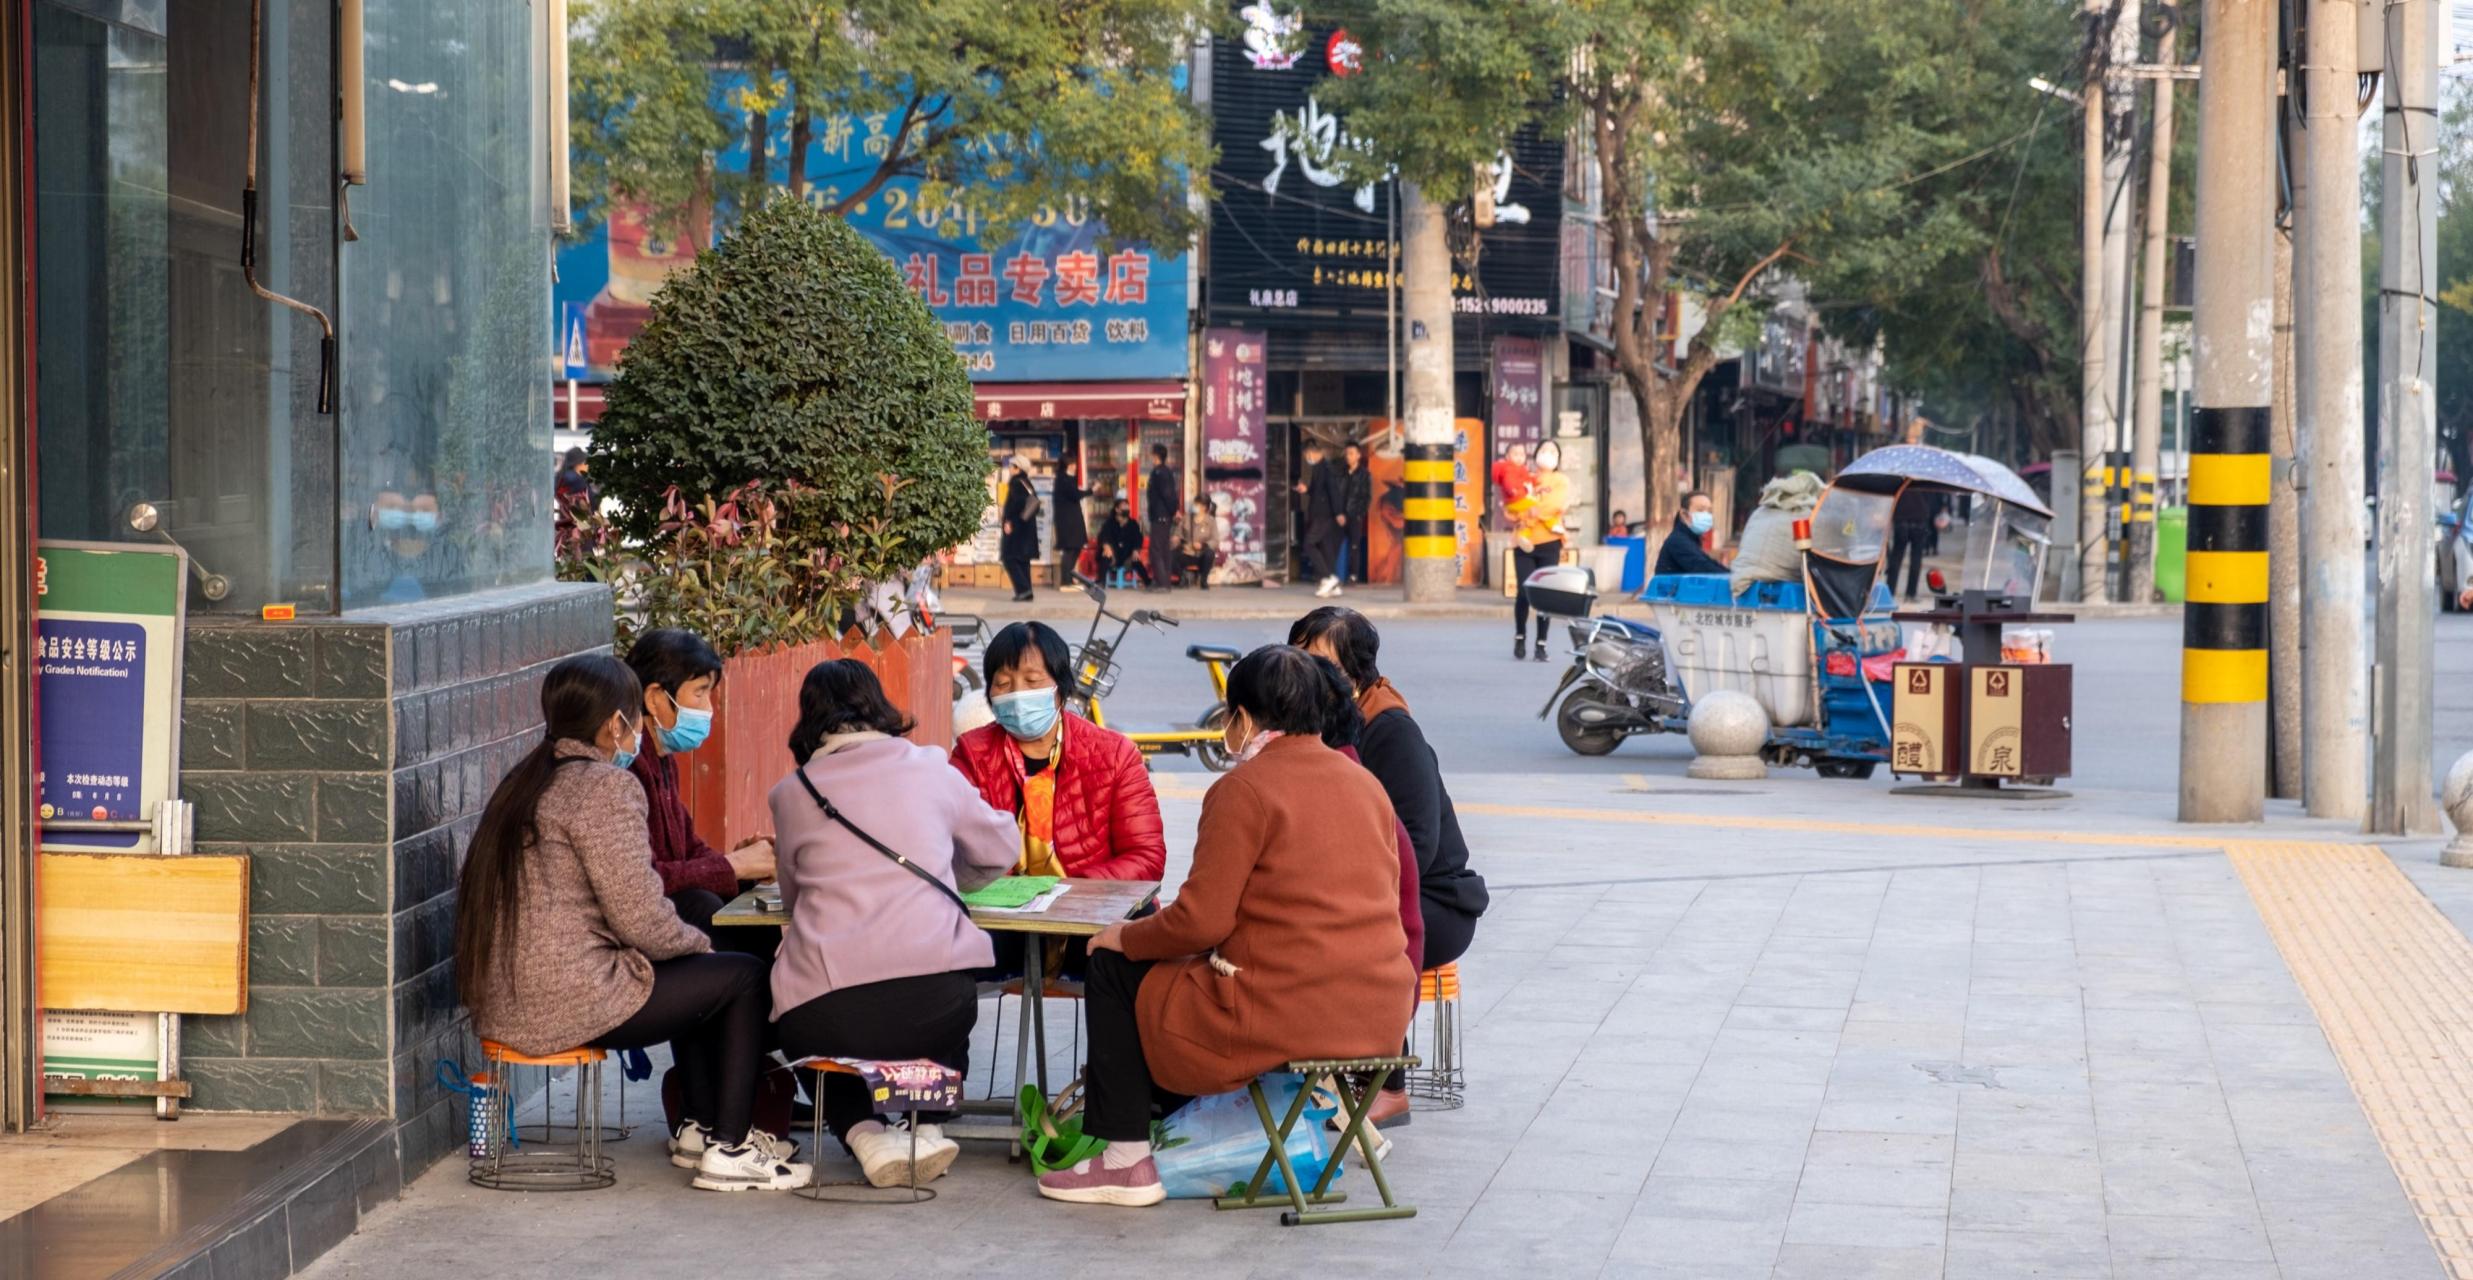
(624, 758)
(1028, 715)
(394, 519)
(423, 521)
(1700, 521)
(695, 724)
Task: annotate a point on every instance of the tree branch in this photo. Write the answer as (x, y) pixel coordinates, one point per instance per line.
(894, 156)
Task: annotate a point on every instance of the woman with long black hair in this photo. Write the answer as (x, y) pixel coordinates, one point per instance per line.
(563, 938)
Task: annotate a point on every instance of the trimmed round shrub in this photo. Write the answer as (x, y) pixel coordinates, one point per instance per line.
(790, 355)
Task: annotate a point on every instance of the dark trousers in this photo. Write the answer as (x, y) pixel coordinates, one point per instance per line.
(1322, 550)
(1068, 562)
(1130, 561)
(698, 907)
(929, 1017)
(1525, 561)
(1197, 568)
(710, 1010)
(1908, 543)
(1163, 551)
(1118, 1095)
(1017, 568)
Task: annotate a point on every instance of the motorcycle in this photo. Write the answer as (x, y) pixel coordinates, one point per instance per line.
(1618, 685)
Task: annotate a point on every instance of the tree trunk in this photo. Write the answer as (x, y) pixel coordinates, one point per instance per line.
(759, 133)
(801, 126)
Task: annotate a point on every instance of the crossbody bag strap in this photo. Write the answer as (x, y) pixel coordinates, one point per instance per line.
(879, 845)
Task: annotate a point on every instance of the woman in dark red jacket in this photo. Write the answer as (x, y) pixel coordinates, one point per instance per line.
(680, 674)
(1079, 792)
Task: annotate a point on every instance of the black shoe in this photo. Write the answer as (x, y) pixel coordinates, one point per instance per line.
(1541, 648)
(1021, 597)
(1519, 648)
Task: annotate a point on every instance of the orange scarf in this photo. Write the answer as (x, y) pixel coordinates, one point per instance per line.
(1381, 696)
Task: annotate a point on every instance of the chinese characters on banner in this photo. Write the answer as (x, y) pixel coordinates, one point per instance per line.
(1233, 435)
(1519, 392)
(1048, 302)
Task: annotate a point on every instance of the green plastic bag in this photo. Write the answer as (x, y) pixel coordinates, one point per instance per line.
(1053, 1143)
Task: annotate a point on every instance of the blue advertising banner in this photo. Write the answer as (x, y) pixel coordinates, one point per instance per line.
(1046, 302)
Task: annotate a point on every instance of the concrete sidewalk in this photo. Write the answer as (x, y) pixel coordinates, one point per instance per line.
(1770, 1029)
(1288, 600)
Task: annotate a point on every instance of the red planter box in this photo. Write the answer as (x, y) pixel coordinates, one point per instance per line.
(725, 781)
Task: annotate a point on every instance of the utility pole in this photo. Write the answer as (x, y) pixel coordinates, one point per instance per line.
(2335, 686)
(2148, 442)
(2120, 135)
(1432, 541)
(2400, 799)
(2094, 397)
(2224, 625)
(2283, 546)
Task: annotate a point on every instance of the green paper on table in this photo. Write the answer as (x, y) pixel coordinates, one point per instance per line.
(1010, 892)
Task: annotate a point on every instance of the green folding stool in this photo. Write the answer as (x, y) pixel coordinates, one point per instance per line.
(1307, 1207)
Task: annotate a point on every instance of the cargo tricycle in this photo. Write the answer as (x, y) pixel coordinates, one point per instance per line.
(1815, 644)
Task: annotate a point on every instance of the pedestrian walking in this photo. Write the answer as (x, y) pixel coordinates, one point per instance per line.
(1325, 503)
(1537, 540)
(1161, 501)
(1356, 514)
(1020, 545)
(1914, 528)
(1072, 527)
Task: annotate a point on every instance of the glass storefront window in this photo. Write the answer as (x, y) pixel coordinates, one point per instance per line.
(446, 379)
(159, 378)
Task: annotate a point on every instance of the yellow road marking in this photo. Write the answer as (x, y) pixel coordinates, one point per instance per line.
(2391, 981)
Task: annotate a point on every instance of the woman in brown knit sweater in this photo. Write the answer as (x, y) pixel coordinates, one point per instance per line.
(563, 937)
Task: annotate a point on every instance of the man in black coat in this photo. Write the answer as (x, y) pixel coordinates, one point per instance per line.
(1161, 501)
(1357, 483)
(1325, 500)
(1682, 553)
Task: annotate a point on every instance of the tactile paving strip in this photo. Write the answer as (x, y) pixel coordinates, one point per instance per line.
(2392, 983)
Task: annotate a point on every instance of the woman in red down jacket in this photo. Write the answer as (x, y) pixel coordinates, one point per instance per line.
(1080, 792)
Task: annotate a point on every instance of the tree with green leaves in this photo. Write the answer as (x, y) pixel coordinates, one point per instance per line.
(1007, 110)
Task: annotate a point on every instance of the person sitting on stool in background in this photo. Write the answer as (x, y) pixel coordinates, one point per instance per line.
(1120, 545)
(1197, 544)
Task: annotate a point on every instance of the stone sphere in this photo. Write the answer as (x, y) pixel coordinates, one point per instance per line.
(1728, 723)
(2456, 796)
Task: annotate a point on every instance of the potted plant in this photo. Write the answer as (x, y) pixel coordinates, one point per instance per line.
(789, 434)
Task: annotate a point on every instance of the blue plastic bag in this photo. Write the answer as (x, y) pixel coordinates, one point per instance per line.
(1212, 1144)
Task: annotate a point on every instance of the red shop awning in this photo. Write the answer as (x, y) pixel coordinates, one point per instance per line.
(1048, 401)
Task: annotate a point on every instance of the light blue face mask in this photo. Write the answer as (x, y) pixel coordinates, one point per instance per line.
(624, 758)
(394, 519)
(1028, 715)
(1700, 521)
(695, 724)
(424, 522)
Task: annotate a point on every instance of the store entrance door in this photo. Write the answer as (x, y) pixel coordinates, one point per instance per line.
(20, 1080)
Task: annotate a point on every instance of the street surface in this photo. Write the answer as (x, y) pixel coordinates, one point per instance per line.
(1787, 1028)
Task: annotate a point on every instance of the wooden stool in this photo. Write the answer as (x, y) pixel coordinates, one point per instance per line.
(861, 1191)
(1444, 1084)
(580, 1167)
(1356, 1081)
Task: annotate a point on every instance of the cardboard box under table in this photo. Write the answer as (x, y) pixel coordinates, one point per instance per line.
(1081, 911)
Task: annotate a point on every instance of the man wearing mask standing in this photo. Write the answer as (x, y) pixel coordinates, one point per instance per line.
(1160, 503)
(1682, 552)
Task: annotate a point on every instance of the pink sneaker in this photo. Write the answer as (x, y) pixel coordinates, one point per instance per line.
(1092, 1182)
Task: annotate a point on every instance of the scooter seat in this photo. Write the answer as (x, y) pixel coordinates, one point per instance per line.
(1211, 653)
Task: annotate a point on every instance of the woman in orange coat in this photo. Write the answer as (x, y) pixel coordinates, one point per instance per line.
(1284, 942)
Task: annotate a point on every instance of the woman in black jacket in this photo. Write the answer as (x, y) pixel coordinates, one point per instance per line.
(1072, 531)
(1394, 750)
(1120, 543)
(1020, 545)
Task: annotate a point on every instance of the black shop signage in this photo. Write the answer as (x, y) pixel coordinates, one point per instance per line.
(1296, 246)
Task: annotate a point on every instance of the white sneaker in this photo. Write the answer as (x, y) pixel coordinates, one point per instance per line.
(1329, 588)
(688, 1144)
(884, 1155)
(778, 1148)
(936, 1152)
(746, 1167)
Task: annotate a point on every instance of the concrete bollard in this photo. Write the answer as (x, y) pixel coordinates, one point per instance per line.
(1727, 730)
(2457, 798)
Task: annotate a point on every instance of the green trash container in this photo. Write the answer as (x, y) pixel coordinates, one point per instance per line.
(2172, 547)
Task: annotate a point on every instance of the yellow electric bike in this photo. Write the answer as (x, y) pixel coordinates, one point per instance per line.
(1095, 671)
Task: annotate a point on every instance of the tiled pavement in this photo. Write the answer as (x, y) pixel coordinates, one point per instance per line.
(1706, 1052)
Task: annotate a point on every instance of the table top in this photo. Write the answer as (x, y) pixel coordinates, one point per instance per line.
(1085, 908)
